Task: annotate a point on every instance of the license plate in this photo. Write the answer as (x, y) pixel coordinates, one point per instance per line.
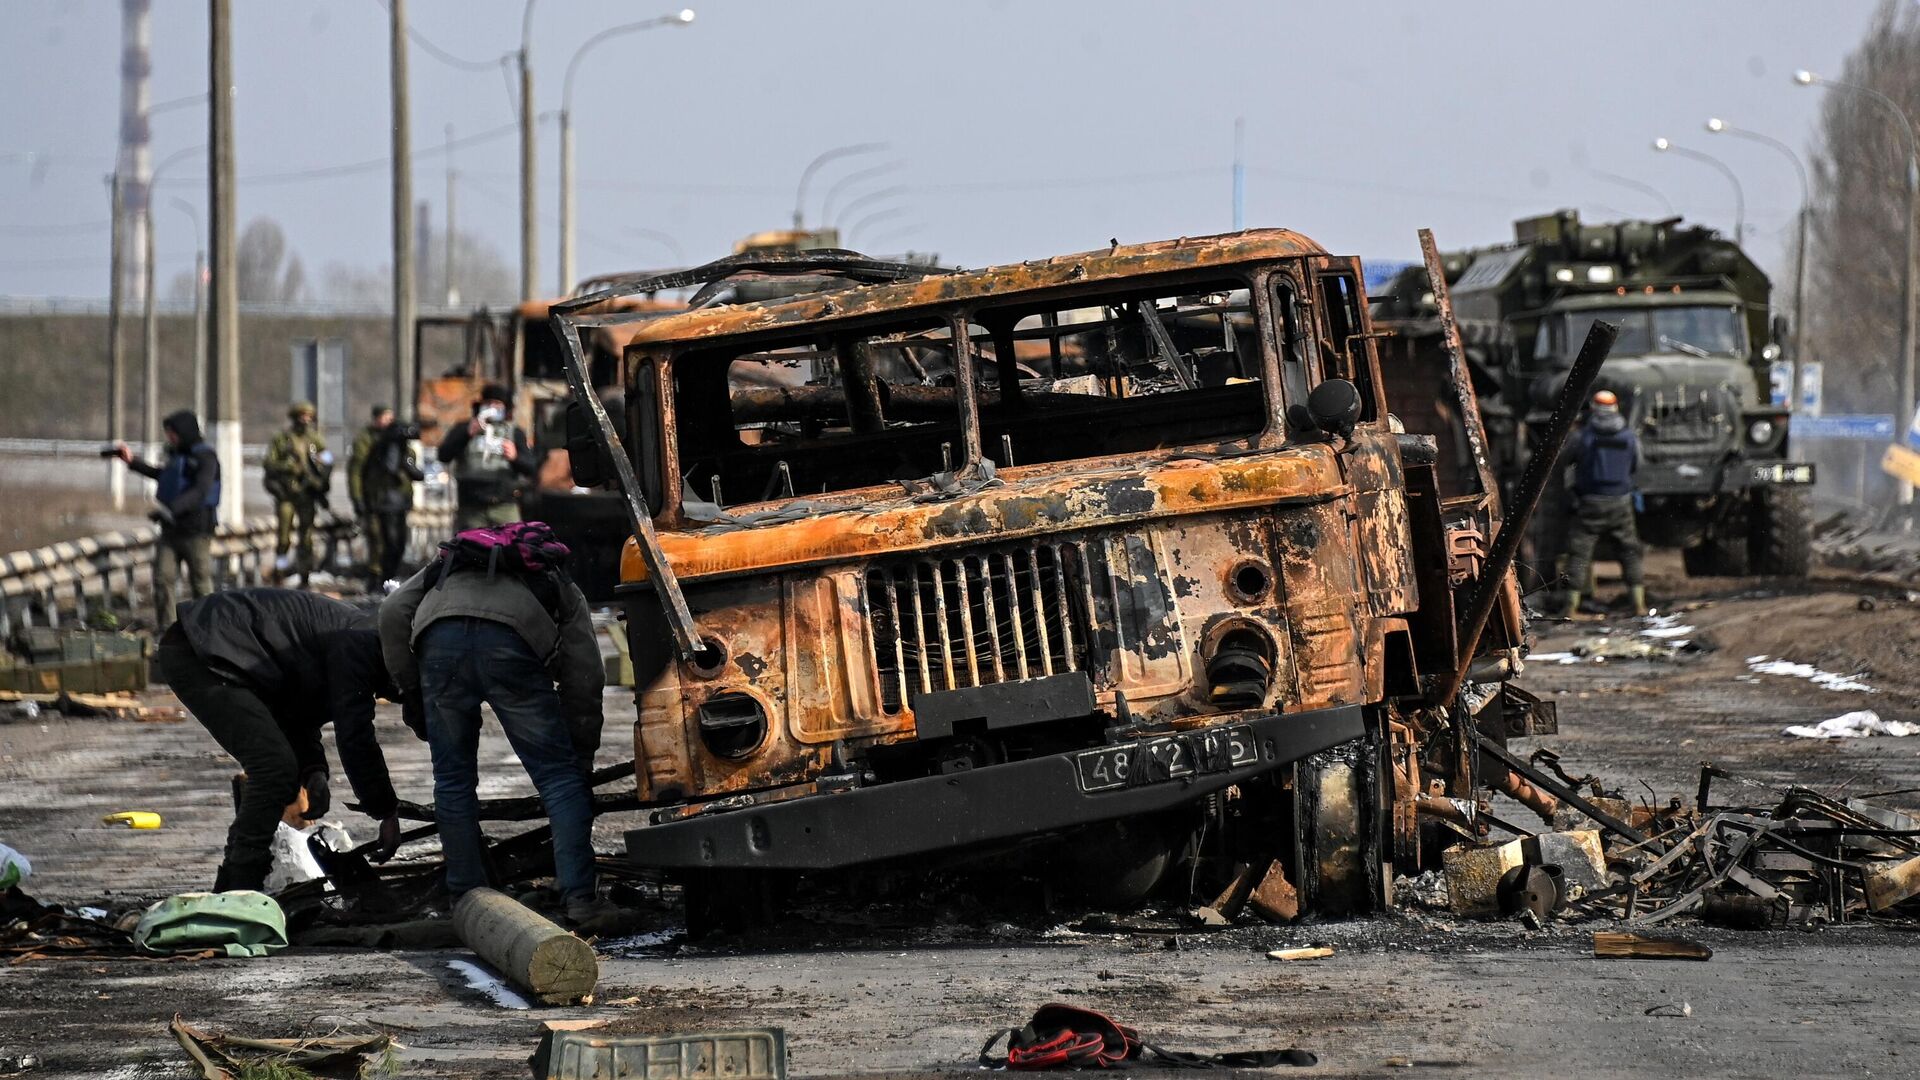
(1784, 473)
(1166, 757)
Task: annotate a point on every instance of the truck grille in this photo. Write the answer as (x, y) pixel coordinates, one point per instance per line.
(1688, 418)
(978, 618)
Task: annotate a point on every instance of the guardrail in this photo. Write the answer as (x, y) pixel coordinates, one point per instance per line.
(113, 572)
(253, 453)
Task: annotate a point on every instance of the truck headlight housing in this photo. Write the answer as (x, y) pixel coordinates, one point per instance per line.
(1760, 432)
(732, 725)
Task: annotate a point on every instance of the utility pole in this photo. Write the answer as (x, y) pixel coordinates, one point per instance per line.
(149, 350)
(116, 355)
(452, 291)
(566, 201)
(223, 358)
(403, 359)
(529, 235)
(199, 330)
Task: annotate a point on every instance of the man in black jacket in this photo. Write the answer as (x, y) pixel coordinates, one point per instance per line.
(188, 494)
(263, 670)
(491, 462)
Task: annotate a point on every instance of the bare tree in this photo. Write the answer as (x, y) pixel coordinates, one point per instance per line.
(1860, 216)
(265, 271)
(481, 276)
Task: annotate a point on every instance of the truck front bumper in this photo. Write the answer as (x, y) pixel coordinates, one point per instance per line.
(1001, 802)
(1689, 478)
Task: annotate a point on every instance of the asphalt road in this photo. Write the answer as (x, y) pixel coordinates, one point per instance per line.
(1413, 992)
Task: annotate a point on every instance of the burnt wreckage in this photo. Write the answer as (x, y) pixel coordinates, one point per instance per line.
(1122, 547)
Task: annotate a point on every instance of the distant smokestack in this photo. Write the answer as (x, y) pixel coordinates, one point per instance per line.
(135, 162)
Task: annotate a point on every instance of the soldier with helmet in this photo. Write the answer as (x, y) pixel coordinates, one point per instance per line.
(299, 470)
(1602, 458)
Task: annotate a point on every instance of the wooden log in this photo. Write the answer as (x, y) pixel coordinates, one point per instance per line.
(534, 953)
(1615, 945)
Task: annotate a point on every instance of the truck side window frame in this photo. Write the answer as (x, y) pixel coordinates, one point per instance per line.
(1293, 344)
(1346, 337)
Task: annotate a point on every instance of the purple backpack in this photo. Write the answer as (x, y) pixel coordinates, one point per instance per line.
(527, 550)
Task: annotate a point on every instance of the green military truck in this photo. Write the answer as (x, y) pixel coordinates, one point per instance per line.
(1691, 367)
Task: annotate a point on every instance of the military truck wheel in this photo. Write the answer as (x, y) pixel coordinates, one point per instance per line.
(1724, 551)
(1781, 537)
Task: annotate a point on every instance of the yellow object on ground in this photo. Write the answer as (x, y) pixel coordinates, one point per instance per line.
(134, 819)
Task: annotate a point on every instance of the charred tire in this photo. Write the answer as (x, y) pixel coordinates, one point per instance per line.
(1119, 864)
(1341, 820)
(1780, 541)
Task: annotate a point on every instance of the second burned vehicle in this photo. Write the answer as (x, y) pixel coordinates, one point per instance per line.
(1119, 552)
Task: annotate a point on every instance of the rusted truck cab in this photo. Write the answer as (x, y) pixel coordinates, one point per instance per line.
(980, 556)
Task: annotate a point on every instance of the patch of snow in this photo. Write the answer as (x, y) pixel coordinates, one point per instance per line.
(1854, 725)
(479, 978)
(1763, 665)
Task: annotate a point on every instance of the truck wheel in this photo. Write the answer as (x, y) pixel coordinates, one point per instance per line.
(1340, 819)
(1781, 538)
(1723, 553)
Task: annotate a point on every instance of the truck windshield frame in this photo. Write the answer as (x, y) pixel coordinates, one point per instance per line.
(1042, 380)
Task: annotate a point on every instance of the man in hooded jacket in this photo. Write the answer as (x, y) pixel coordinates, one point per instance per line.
(187, 491)
(1603, 458)
(263, 670)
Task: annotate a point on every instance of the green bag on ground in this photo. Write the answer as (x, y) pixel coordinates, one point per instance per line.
(242, 923)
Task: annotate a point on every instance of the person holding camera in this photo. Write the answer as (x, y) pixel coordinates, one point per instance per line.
(385, 482)
(299, 471)
(490, 461)
(187, 493)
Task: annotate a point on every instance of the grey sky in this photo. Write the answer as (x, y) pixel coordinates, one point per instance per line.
(1027, 129)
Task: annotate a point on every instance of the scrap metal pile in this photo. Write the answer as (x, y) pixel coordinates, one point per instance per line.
(1759, 859)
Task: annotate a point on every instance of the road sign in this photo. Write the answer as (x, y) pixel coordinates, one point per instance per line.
(1780, 383)
(1811, 382)
(1866, 427)
(1901, 464)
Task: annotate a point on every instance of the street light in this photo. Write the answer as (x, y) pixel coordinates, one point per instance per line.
(683, 17)
(806, 174)
(199, 308)
(1717, 126)
(1908, 283)
(867, 200)
(1666, 146)
(1636, 185)
(852, 178)
(150, 347)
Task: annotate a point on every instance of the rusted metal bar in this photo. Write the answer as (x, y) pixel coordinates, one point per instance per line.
(1533, 483)
(1459, 374)
(673, 602)
(1561, 791)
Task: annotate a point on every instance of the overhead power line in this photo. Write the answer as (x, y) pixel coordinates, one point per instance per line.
(427, 46)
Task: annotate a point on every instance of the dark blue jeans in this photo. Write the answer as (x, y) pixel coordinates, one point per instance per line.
(463, 662)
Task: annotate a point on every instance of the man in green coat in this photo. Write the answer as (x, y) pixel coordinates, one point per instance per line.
(363, 444)
(299, 470)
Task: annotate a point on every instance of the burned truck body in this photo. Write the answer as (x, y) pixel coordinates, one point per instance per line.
(1122, 546)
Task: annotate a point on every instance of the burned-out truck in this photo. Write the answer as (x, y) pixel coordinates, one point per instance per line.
(1117, 556)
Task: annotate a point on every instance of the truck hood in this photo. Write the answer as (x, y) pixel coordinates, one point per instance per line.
(1674, 376)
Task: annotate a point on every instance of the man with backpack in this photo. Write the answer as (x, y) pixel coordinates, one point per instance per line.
(495, 619)
(1602, 460)
(263, 670)
(187, 491)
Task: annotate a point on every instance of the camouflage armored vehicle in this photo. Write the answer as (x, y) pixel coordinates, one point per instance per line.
(1690, 367)
(1115, 560)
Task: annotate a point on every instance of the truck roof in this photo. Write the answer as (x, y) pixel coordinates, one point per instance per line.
(934, 291)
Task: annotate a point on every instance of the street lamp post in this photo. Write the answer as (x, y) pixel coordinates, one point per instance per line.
(150, 337)
(683, 17)
(199, 310)
(1666, 146)
(529, 236)
(1908, 283)
(1720, 127)
(806, 174)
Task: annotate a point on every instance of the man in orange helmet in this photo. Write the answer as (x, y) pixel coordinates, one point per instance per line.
(1602, 460)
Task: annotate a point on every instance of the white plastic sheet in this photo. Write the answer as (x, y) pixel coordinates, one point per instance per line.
(1854, 725)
